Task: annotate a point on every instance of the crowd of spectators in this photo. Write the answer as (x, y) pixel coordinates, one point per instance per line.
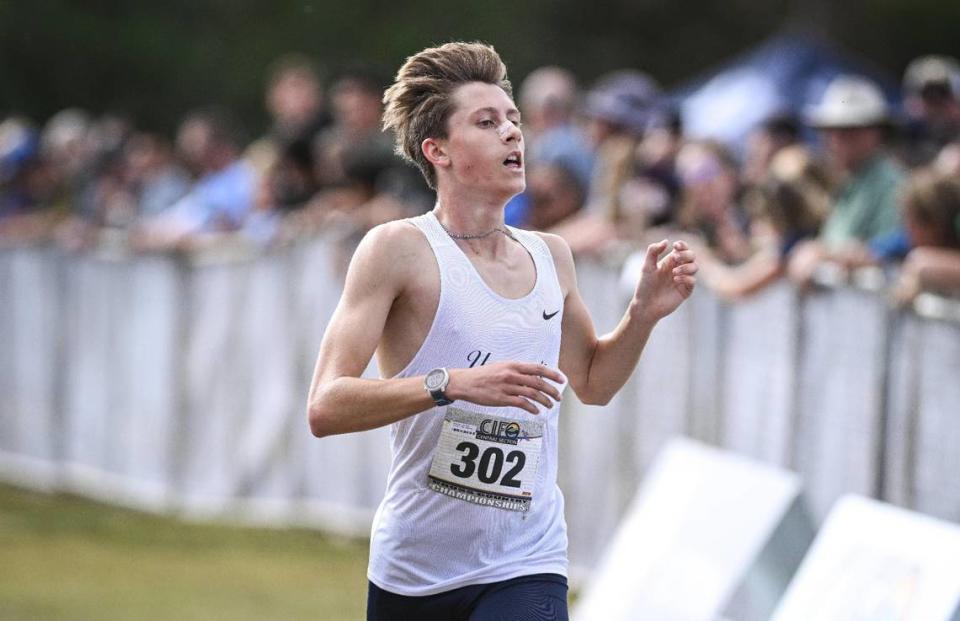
(609, 169)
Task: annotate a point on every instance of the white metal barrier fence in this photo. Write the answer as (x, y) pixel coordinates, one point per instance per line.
(177, 385)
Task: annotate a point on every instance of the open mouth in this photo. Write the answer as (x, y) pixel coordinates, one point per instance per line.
(514, 161)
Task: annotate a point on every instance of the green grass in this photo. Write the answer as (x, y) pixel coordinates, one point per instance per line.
(66, 558)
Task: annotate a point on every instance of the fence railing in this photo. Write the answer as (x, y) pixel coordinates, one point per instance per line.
(179, 385)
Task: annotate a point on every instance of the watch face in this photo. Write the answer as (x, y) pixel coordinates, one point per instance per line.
(434, 380)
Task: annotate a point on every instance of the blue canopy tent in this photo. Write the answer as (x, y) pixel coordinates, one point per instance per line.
(786, 73)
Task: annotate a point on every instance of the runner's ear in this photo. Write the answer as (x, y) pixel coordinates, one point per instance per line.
(435, 153)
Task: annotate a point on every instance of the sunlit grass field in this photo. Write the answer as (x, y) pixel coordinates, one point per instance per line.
(63, 557)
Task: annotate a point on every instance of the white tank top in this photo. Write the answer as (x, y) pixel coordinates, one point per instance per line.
(425, 542)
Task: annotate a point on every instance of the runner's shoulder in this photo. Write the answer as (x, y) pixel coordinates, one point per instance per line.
(392, 248)
(559, 248)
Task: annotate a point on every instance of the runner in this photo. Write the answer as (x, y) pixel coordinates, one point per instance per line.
(477, 328)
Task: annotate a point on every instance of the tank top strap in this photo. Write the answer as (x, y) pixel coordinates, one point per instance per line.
(542, 257)
(431, 228)
(444, 249)
(531, 241)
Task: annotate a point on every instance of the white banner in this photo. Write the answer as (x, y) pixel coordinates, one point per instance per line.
(874, 562)
(696, 527)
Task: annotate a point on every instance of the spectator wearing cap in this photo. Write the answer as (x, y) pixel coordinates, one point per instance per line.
(853, 119)
(649, 198)
(618, 110)
(932, 104)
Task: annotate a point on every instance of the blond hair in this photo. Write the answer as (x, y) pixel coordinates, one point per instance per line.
(419, 103)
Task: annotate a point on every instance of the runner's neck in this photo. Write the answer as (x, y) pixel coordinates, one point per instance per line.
(475, 227)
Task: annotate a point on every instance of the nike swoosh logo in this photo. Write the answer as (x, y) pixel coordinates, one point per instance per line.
(550, 316)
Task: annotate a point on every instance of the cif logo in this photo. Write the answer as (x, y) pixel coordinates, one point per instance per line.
(500, 428)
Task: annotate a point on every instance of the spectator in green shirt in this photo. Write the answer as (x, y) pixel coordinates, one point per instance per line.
(853, 119)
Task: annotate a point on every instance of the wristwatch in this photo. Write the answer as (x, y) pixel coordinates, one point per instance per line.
(435, 383)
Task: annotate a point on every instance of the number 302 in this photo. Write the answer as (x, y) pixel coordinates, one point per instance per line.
(490, 466)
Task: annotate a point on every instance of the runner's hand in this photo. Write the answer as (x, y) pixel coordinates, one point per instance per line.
(515, 384)
(664, 285)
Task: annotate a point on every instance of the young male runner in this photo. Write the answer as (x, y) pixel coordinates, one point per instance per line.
(477, 327)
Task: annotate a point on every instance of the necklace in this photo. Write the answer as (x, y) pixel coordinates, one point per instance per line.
(474, 236)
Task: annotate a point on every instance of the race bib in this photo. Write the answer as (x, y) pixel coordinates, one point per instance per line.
(487, 460)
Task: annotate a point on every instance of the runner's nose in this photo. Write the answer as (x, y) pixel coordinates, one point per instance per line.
(508, 131)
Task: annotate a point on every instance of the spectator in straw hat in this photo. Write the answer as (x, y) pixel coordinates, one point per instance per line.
(854, 120)
(932, 88)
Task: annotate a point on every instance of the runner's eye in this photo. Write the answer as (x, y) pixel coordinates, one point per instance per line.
(486, 123)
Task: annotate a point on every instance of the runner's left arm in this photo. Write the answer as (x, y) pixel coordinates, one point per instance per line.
(598, 367)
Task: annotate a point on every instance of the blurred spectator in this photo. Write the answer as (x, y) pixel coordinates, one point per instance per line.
(931, 207)
(947, 162)
(649, 197)
(929, 269)
(853, 119)
(294, 100)
(152, 174)
(930, 239)
(285, 187)
(556, 193)
(290, 183)
(786, 208)
(96, 184)
(353, 148)
(777, 132)
(359, 175)
(548, 100)
(221, 197)
(26, 184)
(932, 103)
(19, 161)
(710, 196)
(67, 150)
(618, 110)
(102, 169)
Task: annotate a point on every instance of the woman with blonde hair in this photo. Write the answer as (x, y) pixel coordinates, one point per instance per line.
(787, 207)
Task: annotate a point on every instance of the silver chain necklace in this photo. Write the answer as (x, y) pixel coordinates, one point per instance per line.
(475, 236)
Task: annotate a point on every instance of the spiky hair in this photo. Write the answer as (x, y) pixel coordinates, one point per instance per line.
(419, 103)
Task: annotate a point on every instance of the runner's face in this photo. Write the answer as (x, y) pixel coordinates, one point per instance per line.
(484, 142)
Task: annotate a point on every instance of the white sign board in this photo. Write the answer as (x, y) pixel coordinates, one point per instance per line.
(875, 562)
(694, 530)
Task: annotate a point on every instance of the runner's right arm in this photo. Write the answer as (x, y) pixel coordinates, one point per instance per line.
(340, 401)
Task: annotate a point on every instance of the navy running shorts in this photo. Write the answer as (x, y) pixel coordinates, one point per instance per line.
(539, 597)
